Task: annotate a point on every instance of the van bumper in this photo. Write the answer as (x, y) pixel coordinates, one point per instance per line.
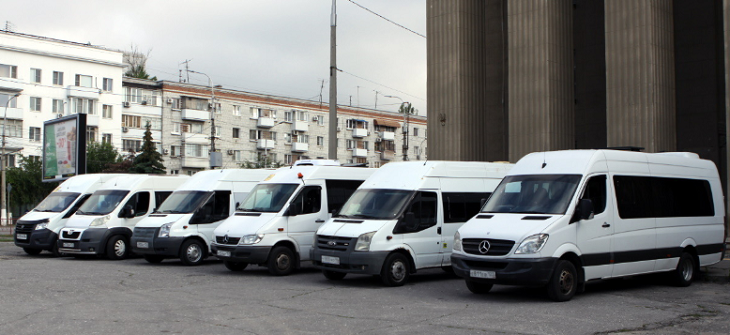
(43, 239)
(242, 254)
(370, 262)
(91, 242)
(514, 271)
(162, 246)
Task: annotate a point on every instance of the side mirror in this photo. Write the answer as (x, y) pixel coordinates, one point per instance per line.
(127, 212)
(585, 209)
(335, 212)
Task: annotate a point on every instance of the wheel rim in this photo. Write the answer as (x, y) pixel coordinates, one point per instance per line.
(687, 270)
(398, 270)
(120, 248)
(283, 261)
(194, 253)
(566, 282)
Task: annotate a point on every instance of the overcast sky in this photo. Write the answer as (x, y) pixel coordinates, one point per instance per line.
(278, 47)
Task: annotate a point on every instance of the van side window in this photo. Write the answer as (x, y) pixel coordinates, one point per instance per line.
(160, 197)
(460, 207)
(424, 208)
(338, 191)
(215, 209)
(646, 197)
(140, 202)
(308, 201)
(596, 192)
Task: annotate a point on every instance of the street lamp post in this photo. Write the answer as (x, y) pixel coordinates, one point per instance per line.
(406, 118)
(3, 196)
(212, 119)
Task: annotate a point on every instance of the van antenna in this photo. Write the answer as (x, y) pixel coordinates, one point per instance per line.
(424, 162)
(543, 160)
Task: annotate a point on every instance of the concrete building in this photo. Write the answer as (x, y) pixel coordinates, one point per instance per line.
(253, 127)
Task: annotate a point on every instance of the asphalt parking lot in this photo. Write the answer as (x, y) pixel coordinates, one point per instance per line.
(45, 295)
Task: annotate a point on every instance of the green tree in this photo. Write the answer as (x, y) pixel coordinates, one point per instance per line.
(137, 64)
(406, 107)
(149, 160)
(100, 155)
(28, 189)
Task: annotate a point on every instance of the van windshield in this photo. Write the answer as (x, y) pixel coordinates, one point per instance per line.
(56, 202)
(375, 204)
(533, 194)
(183, 202)
(268, 198)
(102, 202)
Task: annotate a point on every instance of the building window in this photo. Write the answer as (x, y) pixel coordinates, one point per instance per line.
(91, 133)
(236, 110)
(84, 106)
(4, 98)
(415, 131)
(218, 131)
(301, 115)
(108, 84)
(175, 150)
(14, 128)
(131, 145)
(57, 78)
(320, 120)
(320, 141)
(35, 104)
(287, 138)
(260, 112)
(236, 132)
(360, 124)
(288, 117)
(34, 134)
(237, 155)
(57, 105)
(262, 135)
(193, 150)
(35, 76)
(8, 71)
(155, 123)
(131, 121)
(84, 81)
(175, 103)
(106, 138)
(107, 111)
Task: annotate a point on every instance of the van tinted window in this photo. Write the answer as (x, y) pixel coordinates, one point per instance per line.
(596, 191)
(645, 197)
(424, 208)
(160, 197)
(338, 191)
(460, 207)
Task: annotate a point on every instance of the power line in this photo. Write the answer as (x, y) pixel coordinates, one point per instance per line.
(386, 19)
(379, 84)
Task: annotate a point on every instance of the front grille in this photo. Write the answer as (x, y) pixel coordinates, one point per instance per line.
(496, 247)
(24, 227)
(335, 243)
(231, 240)
(144, 232)
(73, 235)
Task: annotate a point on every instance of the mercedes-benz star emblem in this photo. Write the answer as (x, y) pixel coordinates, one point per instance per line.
(225, 239)
(332, 243)
(484, 247)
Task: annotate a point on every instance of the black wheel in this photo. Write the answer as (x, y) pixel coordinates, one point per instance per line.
(396, 270)
(564, 282)
(193, 252)
(281, 261)
(56, 252)
(235, 266)
(333, 275)
(478, 288)
(153, 259)
(32, 251)
(685, 272)
(117, 247)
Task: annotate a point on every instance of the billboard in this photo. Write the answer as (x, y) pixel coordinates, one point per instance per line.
(64, 147)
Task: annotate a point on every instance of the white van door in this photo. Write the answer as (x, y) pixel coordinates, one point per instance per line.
(458, 207)
(140, 204)
(420, 227)
(209, 216)
(634, 241)
(305, 214)
(594, 236)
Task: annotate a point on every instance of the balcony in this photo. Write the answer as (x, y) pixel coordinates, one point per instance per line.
(92, 120)
(299, 147)
(82, 92)
(195, 115)
(265, 122)
(300, 125)
(387, 155)
(359, 152)
(193, 138)
(387, 135)
(265, 144)
(359, 132)
(13, 113)
(196, 162)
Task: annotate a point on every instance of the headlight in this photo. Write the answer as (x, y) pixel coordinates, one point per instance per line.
(532, 244)
(363, 241)
(251, 239)
(40, 226)
(100, 221)
(165, 230)
(457, 242)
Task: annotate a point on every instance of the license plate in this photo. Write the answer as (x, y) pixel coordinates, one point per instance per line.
(68, 245)
(143, 245)
(331, 260)
(22, 236)
(224, 253)
(482, 274)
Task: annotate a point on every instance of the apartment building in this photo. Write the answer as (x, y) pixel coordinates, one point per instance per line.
(55, 78)
(256, 127)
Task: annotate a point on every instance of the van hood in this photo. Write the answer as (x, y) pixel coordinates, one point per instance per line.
(38, 216)
(350, 227)
(157, 220)
(238, 225)
(81, 221)
(513, 227)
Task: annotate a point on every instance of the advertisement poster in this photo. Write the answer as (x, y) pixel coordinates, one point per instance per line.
(62, 157)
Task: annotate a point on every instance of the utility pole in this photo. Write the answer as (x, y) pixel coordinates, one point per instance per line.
(405, 107)
(3, 196)
(214, 161)
(332, 154)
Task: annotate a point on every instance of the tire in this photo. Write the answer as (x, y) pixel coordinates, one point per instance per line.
(117, 247)
(685, 272)
(281, 261)
(193, 252)
(478, 288)
(235, 266)
(56, 252)
(32, 251)
(564, 282)
(396, 270)
(334, 275)
(153, 259)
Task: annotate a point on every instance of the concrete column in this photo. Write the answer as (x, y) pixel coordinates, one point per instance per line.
(640, 97)
(541, 92)
(726, 38)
